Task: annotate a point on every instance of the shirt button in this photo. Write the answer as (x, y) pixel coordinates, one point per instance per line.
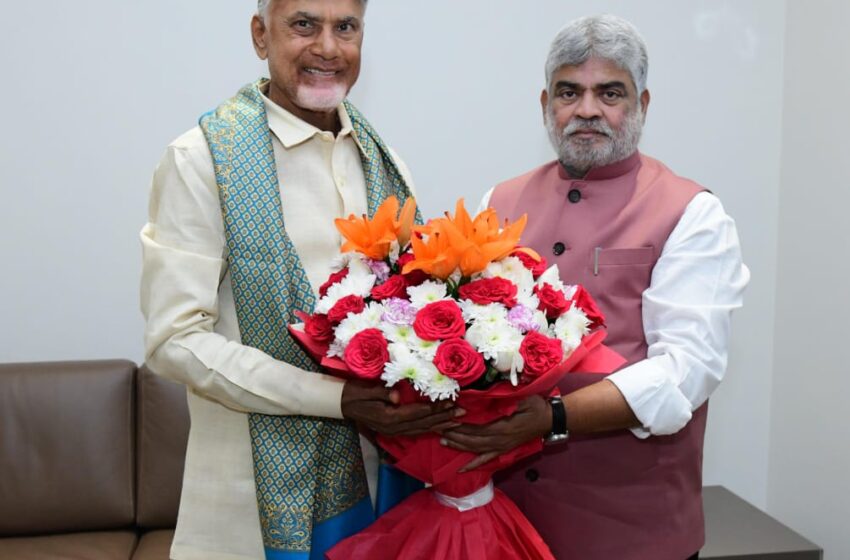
(532, 475)
(574, 195)
(340, 181)
(558, 248)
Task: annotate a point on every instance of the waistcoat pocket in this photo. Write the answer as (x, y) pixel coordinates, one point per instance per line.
(621, 273)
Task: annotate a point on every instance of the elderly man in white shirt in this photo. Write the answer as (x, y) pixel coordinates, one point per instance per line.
(302, 156)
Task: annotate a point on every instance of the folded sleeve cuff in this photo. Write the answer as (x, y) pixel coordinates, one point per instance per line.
(657, 403)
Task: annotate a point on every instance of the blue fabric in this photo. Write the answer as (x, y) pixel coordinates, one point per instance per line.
(272, 554)
(330, 532)
(393, 487)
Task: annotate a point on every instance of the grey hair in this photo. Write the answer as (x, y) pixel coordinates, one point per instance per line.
(604, 36)
(263, 7)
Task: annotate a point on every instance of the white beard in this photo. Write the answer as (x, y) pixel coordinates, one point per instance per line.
(320, 99)
(580, 155)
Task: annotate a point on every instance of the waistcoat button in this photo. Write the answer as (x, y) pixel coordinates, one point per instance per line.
(532, 475)
(558, 248)
(574, 196)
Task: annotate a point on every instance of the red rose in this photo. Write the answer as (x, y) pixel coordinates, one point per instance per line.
(536, 267)
(367, 354)
(394, 287)
(584, 301)
(490, 290)
(346, 305)
(540, 353)
(319, 328)
(334, 278)
(456, 358)
(552, 301)
(415, 277)
(440, 320)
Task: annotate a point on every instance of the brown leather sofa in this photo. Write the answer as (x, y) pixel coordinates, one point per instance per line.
(91, 461)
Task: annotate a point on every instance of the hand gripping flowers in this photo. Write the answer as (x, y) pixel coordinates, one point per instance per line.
(454, 309)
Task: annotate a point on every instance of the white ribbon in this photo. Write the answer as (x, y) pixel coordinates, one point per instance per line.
(480, 497)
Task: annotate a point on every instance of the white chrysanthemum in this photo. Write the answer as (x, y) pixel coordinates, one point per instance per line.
(469, 310)
(421, 373)
(332, 295)
(509, 362)
(341, 260)
(359, 267)
(358, 282)
(551, 277)
(475, 334)
(426, 349)
(492, 312)
(402, 334)
(490, 339)
(511, 268)
(353, 324)
(404, 337)
(425, 293)
(569, 291)
(528, 300)
(373, 314)
(398, 351)
(571, 327)
(336, 349)
(407, 365)
(439, 387)
(542, 321)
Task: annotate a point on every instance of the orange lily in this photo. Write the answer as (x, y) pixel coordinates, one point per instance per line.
(435, 255)
(464, 242)
(373, 237)
(404, 225)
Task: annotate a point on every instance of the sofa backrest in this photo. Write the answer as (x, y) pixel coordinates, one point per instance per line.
(89, 446)
(162, 430)
(66, 446)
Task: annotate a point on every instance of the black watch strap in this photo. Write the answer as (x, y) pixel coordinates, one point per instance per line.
(559, 416)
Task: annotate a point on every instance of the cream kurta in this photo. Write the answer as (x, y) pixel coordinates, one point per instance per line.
(192, 335)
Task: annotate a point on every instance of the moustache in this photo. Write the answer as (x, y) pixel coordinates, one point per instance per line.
(583, 125)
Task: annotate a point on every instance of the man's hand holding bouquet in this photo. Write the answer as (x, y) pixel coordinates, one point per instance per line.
(452, 311)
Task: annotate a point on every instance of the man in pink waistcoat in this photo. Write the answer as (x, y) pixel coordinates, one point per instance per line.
(622, 476)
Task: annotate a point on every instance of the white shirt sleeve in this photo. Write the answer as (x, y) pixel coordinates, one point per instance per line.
(485, 201)
(182, 271)
(697, 282)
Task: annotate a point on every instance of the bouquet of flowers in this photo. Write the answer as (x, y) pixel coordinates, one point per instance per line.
(454, 309)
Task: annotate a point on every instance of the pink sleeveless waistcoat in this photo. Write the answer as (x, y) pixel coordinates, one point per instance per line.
(610, 496)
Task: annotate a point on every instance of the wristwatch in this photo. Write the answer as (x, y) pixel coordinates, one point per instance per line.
(559, 433)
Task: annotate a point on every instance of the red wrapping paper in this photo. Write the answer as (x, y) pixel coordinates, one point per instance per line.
(423, 528)
(420, 528)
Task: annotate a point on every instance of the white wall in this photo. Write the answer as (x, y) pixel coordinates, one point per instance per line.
(810, 440)
(94, 90)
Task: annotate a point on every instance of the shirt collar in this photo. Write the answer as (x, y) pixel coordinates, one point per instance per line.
(292, 131)
(605, 172)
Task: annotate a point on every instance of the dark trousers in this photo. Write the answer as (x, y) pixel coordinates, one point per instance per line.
(694, 557)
